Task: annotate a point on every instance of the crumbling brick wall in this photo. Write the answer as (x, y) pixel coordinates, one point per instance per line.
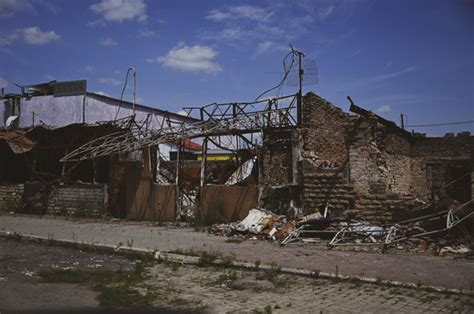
(10, 196)
(362, 163)
(326, 187)
(379, 159)
(324, 131)
(277, 158)
(81, 200)
(353, 163)
(435, 161)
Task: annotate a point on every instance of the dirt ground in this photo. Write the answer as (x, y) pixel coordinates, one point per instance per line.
(40, 278)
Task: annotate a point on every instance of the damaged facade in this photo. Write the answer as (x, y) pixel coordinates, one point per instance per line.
(365, 166)
(47, 121)
(357, 165)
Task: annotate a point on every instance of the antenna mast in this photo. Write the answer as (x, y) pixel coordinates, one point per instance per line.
(299, 100)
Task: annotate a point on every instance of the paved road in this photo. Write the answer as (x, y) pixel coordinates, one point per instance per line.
(419, 269)
(191, 289)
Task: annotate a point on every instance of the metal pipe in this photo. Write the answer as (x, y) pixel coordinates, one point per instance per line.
(134, 88)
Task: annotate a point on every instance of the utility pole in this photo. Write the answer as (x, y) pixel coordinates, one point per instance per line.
(402, 122)
(299, 99)
(134, 87)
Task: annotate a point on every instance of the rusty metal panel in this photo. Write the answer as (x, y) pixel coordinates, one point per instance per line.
(227, 203)
(153, 203)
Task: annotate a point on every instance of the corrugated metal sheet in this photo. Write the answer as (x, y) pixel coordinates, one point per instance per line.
(61, 111)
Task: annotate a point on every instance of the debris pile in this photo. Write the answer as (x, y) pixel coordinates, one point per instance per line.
(259, 224)
(433, 233)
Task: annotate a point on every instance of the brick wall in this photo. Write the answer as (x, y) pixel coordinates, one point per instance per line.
(382, 208)
(380, 159)
(326, 186)
(81, 200)
(448, 147)
(324, 131)
(362, 164)
(10, 196)
(277, 158)
(434, 158)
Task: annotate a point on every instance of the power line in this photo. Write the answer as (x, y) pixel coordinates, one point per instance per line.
(123, 90)
(439, 124)
(287, 71)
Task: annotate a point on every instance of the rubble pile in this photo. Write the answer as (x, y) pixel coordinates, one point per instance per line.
(259, 224)
(433, 232)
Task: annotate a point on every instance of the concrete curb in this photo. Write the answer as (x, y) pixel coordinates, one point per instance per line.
(195, 260)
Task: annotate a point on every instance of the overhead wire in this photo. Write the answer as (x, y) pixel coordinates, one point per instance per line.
(121, 95)
(439, 124)
(285, 76)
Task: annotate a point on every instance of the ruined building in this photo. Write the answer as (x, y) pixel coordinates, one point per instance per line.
(57, 155)
(363, 165)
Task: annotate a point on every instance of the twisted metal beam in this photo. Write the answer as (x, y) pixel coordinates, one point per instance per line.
(239, 122)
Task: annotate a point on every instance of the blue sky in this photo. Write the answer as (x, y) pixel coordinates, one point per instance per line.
(415, 57)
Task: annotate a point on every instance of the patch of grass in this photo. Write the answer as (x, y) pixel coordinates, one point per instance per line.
(257, 264)
(226, 277)
(227, 261)
(268, 309)
(175, 265)
(272, 275)
(116, 288)
(206, 259)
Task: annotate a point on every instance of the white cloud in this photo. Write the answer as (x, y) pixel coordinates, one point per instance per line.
(34, 36)
(3, 83)
(325, 12)
(30, 35)
(109, 81)
(121, 10)
(146, 34)
(99, 92)
(9, 7)
(276, 20)
(231, 34)
(190, 59)
(268, 46)
(240, 12)
(385, 108)
(375, 79)
(108, 42)
(89, 69)
(8, 39)
(248, 23)
(95, 23)
(387, 76)
(50, 77)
